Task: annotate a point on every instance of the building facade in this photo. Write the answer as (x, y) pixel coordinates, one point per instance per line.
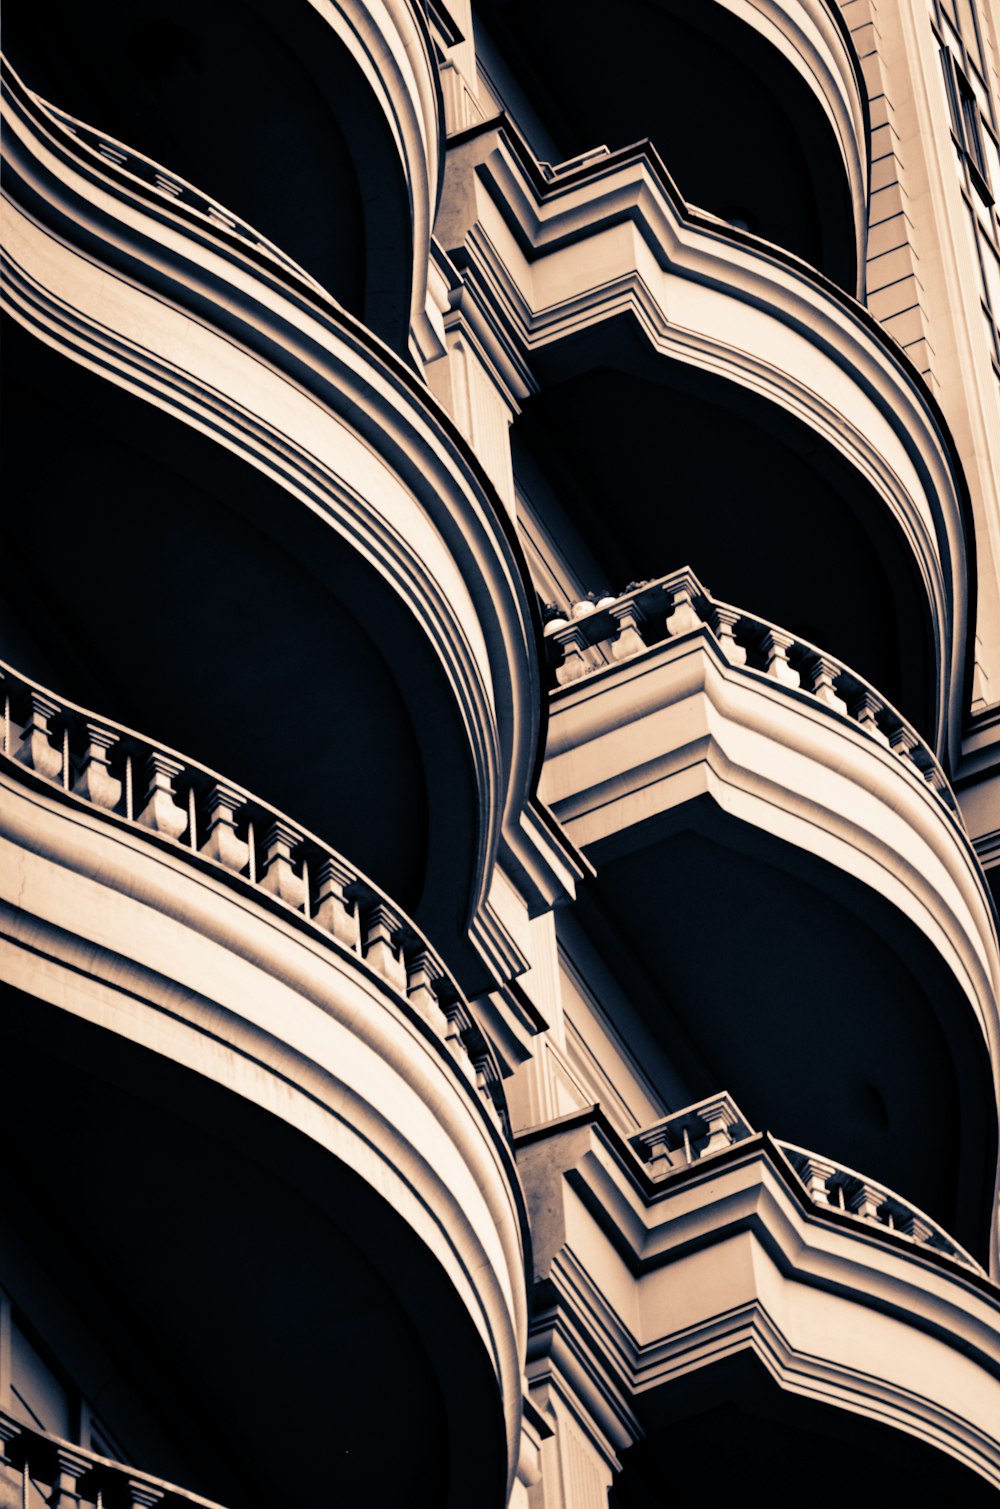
(500, 837)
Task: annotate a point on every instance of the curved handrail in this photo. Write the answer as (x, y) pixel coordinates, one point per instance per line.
(195, 810)
(171, 187)
(612, 629)
(38, 1455)
(697, 1132)
(836, 1187)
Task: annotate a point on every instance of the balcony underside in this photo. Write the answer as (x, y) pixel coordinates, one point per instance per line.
(268, 109)
(243, 1286)
(794, 913)
(756, 1336)
(761, 122)
(715, 1433)
(222, 1113)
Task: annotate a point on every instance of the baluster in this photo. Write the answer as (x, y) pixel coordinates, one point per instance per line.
(252, 853)
(129, 798)
(683, 617)
(920, 1230)
(689, 1154)
(825, 672)
(658, 1159)
(95, 781)
(143, 1495)
(815, 1174)
(381, 948)
(65, 757)
(192, 806)
(278, 872)
(904, 742)
(161, 812)
(420, 976)
(726, 619)
(863, 710)
(867, 1201)
(628, 641)
(334, 911)
(574, 664)
(36, 749)
(776, 645)
(6, 723)
(222, 843)
(70, 1467)
(720, 1121)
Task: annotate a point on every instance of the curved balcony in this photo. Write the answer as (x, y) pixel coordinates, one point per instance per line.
(759, 813)
(222, 1015)
(747, 1307)
(349, 191)
(39, 1463)
(637, 318)
(759, 110)
(312, 496)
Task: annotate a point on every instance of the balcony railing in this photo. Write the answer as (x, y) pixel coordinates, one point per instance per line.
(194, 811)
(611, 629)
(709, 1127)
(171, 188)
(53, 1471)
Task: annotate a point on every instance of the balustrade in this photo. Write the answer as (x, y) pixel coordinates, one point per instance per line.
(195, 811)
(597, 632)
(697, 1132)
(47, 1470)
(170, 187)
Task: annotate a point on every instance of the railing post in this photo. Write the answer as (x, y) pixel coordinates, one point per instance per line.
(95, 781)
(278, 872)
(683, 616)
(37, 750)
(863, 710)
(221, 841)
(815, 1174)
(572, 642)
(726, 619)
(143, 1495)
(71, 1466)
(161, 812)
(381, 948)
(628, 641)
(824, 672)
(333, 911)
(420, 990)
(775, 645)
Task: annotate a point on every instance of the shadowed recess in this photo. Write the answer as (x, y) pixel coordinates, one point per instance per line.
(260, 107)
(738, 128)
(247, 1287)
(174, 588)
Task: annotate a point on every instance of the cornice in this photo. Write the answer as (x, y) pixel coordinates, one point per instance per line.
(564, 254)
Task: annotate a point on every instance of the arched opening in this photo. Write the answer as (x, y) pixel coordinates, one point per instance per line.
(277, 123)
(766, 971)
(244, 1313)
(739, 129)
(639, 465)
(155, 578)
